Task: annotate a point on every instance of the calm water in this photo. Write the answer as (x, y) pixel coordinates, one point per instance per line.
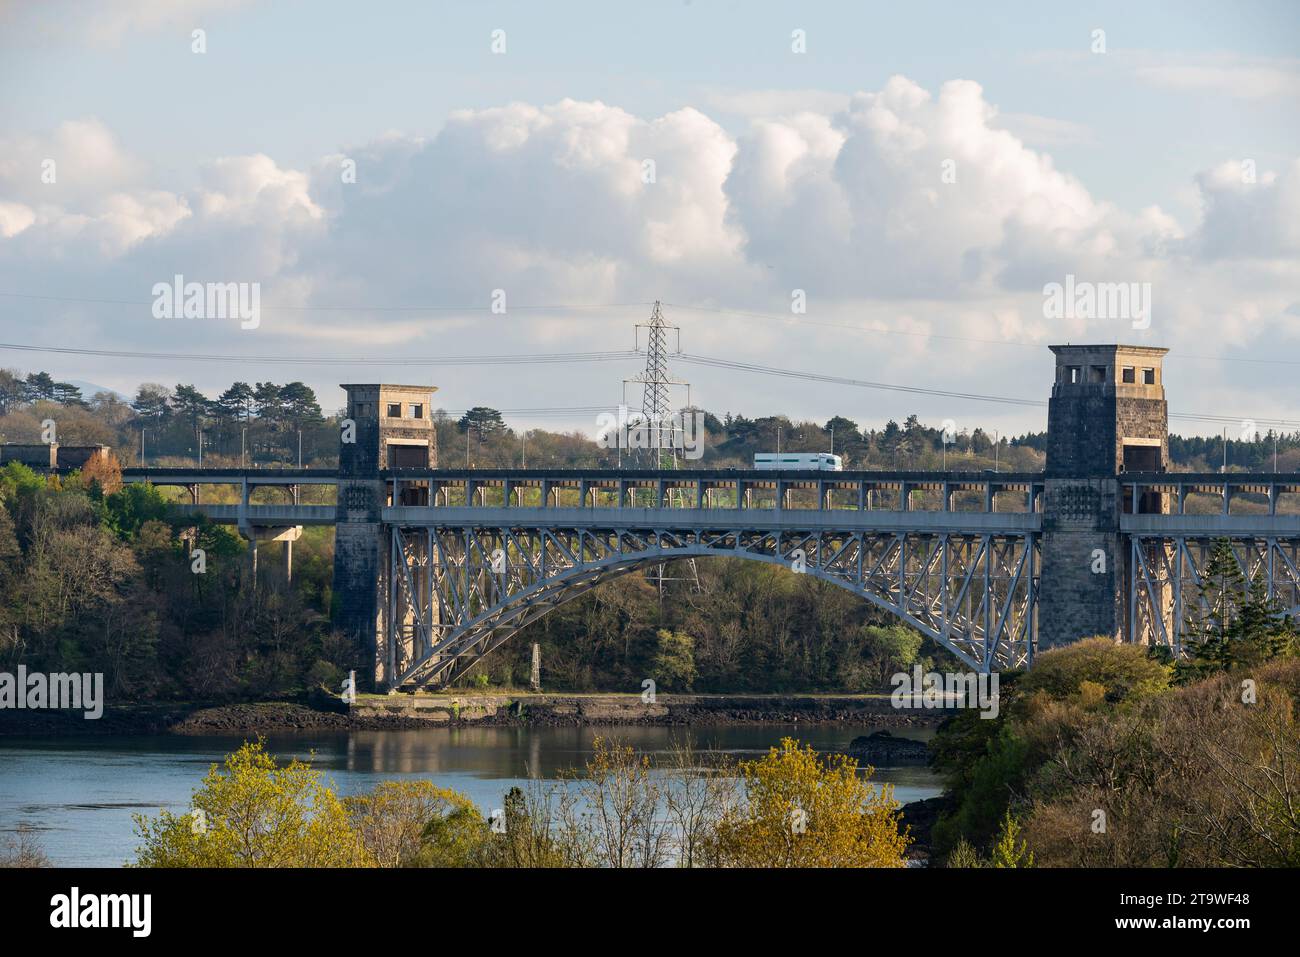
(78, 794)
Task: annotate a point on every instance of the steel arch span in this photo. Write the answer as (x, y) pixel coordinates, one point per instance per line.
(455, 593)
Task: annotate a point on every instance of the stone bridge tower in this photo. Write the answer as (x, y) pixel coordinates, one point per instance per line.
(1107, 415)
(392, 427)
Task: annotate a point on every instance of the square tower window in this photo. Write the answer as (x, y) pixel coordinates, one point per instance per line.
(417, 410)
(1073, 374)
(394, 410)
(1097, 374)
(1148, 376)
(1130, 375)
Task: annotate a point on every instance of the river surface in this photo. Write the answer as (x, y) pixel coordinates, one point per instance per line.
(78, 794)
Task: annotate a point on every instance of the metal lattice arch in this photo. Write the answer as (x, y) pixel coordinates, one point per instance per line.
(458, 588)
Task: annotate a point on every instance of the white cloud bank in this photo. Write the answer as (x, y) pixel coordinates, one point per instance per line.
(909, 209)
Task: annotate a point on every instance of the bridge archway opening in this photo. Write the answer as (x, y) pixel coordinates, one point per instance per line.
(454, 597)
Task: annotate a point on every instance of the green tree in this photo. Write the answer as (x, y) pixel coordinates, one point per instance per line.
(1123, 671)
(268, 402)
(417, 824)
(236, 403)
(152, 401)
(300, 405)
(253, 813)
(38, 386)
(65, 393)
(1242, 625)
(800, 810)
(1010, 849)
(892, 648)
(12, 390)
(482, 423)
(533, 831)
(191, 405)
(133, 505)
(673, 665)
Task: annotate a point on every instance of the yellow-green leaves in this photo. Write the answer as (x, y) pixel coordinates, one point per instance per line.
(251, 813)
(800, 810)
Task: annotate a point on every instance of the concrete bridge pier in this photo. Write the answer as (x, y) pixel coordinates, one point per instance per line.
(271, 533)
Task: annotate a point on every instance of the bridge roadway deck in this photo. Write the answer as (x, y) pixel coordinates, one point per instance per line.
(594, 477)
(1177, 486)
(261, 515)
(229, 476)
(774, 519)
(1177, 483)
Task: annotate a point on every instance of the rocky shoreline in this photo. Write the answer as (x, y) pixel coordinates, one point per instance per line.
(410, 712)
(882, 749)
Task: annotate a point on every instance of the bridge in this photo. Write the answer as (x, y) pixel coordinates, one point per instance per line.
(434, 568)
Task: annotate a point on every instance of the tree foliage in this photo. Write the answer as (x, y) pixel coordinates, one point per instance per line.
(252, 813)
(802, 810)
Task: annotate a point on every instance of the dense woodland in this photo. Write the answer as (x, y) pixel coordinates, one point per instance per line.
(94, 575)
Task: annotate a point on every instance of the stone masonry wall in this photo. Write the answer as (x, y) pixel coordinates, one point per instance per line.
(1074, 601)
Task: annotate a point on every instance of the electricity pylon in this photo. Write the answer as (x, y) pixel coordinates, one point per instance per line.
(663, 426)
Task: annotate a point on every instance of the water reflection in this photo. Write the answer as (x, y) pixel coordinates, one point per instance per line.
(80, 793)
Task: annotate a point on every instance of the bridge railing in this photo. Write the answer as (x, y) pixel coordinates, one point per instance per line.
(186, 476)
(1207, 493)
(736, 489)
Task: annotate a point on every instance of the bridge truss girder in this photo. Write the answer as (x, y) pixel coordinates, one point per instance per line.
(454, 594)
(1166, 580)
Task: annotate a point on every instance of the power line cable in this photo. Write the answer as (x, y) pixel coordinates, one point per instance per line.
(515, 359)
(744, 314)
(558, 307)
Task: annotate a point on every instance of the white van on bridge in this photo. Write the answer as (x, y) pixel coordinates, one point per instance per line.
(815, 461)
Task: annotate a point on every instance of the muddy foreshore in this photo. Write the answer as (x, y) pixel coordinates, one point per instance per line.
(412, 712)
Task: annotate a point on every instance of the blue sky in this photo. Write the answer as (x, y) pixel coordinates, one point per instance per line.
(299, 79)
(1183, 92)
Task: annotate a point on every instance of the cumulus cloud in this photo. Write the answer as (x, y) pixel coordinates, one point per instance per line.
(1249, 213)
(906, 194)
(572, 200)
(900, 210)
(901, 195)
(76, 161)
